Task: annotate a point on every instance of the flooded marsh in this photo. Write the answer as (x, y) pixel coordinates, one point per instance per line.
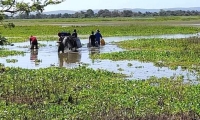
(172, 53)
(134, 68)
(42, 84)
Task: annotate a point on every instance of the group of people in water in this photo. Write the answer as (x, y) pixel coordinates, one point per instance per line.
(94, 39)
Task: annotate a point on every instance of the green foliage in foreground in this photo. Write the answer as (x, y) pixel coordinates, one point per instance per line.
(163, 52)
(44, 93)
(45, 31)
(5, 52)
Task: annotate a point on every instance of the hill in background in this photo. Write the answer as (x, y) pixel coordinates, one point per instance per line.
(134, 10)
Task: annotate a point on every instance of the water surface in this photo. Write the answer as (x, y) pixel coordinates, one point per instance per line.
(47, 56)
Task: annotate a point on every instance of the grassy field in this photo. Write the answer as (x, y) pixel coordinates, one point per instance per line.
(47, 29)
(119, 20)
(21, 33)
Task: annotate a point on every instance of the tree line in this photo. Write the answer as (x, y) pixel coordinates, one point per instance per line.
(107, 13)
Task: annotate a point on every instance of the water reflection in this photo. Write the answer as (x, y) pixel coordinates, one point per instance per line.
(69, 57)
(34, 54)
(93, 51)
(34, 57)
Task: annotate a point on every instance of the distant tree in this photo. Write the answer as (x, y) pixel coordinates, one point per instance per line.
(66, 15)
(75, 15)
(155, 14)
(90, 13)
(139, 13)
(107, 13)
(162, 12)
(148, 13)
(80, 14)
(38, 15)
(104, 13)
(83, 14)
(115, 13)
(127, 13)
(100, 12)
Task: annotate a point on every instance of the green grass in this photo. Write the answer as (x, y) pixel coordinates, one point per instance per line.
(119, 21)
(163, 52)
(44, 93)
(47, 29)
(50, 33)
(100, 19)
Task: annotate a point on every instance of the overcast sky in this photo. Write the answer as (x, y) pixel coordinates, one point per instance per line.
(117, 4)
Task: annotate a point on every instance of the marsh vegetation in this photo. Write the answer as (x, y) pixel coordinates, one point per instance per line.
(84, 93)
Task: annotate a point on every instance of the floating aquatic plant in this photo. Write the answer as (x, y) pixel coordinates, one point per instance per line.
(11, 60)
(5, 53)
(171, 53)
(84, 93)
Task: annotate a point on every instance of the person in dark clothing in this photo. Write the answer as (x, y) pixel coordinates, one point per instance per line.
(61, 45)
(33, 42)
(98, 36)
(92, 39)
(74, 34)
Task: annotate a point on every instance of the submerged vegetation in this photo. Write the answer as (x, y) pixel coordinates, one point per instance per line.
(11, 60)
(5, 52)
(83, 93)
(163, 52)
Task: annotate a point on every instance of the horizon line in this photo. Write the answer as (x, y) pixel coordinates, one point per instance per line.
(121, 8)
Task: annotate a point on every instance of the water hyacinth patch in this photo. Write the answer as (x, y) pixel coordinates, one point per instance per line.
(83, 93)
(163, 52)
(5, 53)
(11, 60)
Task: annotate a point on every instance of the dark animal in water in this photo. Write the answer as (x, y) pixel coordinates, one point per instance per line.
(61, 47)
(67, 42)
(70, 42)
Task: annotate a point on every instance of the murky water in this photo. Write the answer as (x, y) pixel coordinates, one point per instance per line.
(48, 56)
